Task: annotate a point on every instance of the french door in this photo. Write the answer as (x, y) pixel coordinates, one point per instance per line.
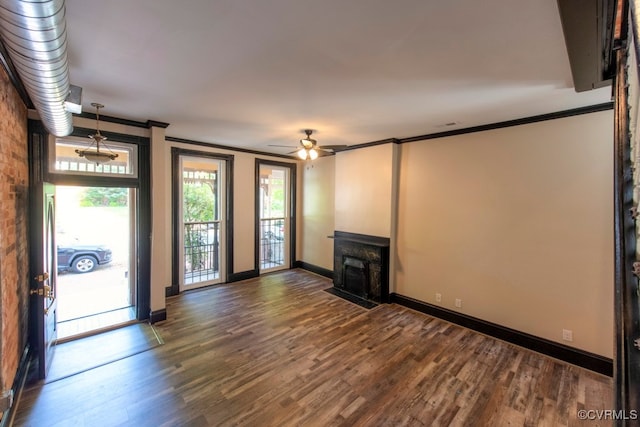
(202, 227)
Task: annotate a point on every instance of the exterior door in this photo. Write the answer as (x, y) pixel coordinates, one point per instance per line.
(202, 232)
(274, 216)
(43, 275)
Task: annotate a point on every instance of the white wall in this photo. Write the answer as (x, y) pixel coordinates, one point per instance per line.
(364, 190)
(517, 223)
(318, 211)
(160, 216)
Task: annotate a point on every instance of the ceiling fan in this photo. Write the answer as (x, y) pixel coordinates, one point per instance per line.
(311, 150)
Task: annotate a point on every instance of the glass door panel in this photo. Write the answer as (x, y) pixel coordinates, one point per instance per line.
(274, 218)
(202, 212)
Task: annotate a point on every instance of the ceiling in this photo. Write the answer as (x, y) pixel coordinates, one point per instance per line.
(255, 73)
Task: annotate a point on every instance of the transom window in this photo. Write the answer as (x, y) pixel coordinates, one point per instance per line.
(64, 159)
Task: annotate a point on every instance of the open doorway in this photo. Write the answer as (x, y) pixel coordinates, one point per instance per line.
(95, 248)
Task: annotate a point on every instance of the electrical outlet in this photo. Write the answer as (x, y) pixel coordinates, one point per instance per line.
(458, 303)
(438, 297)
(567, 335)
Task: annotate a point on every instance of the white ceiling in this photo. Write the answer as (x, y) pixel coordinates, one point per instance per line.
(250, 73)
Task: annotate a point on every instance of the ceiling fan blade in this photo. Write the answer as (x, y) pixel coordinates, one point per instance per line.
(284, 146)
(333, 147)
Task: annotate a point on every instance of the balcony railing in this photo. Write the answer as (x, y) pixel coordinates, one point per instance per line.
(271, 243)
(201, 251)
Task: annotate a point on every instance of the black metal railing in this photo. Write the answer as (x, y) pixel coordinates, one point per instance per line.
(201, 251)
(272, 243)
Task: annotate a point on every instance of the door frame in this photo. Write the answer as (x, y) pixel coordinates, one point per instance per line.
(39, 172)
(292, 209)
(626, 369)
(176, 153)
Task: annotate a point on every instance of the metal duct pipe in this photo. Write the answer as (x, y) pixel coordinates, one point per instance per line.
(34, 33)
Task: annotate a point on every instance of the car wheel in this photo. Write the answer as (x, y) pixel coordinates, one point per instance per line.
(84, 264)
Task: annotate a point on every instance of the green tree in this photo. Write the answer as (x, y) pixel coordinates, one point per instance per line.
(105, 197)
(198, 206)
(277, 202)
(199, 203)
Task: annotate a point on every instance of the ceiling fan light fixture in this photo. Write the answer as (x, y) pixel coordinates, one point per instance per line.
(313, 154)
(307, 142)
(303, 154)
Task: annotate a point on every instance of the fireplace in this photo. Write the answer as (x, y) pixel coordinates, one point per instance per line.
(355, 276)
(361, 266)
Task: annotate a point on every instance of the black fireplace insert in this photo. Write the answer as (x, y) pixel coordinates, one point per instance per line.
(361, 265)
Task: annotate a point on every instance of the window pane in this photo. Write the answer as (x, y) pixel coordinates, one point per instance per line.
(63, 158)
(273, 192)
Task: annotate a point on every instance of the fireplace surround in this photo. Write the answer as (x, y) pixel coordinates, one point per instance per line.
(361, 265)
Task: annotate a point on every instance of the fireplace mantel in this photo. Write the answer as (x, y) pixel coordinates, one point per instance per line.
(369, 255)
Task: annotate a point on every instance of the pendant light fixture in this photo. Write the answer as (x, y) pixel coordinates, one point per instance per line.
(94, 155)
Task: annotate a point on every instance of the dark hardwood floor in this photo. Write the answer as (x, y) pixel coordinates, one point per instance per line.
(278, 351)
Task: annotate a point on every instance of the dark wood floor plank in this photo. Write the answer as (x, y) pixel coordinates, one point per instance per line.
(279, 351)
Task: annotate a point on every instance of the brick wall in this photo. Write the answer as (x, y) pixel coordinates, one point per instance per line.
(14, 246)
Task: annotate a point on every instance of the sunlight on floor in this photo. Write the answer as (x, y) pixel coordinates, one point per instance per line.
(92, 324)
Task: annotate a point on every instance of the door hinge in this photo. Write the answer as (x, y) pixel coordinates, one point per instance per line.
(42, 277)
(44, 291)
